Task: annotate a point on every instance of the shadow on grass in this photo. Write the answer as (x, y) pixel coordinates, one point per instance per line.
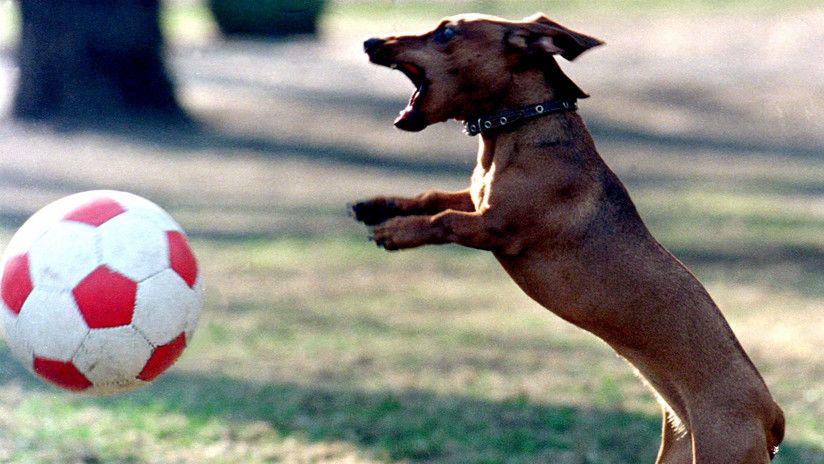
(200, 137)
(412, 425)
(387, 107)
(423, 426)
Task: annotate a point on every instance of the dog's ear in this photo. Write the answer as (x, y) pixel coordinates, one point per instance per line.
(539, 34)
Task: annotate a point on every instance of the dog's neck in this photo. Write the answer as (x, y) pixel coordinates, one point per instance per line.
(559, 134)
(532, 86)
(564, 131)
(535, 85)
(525, 97)
(554, 132)
(526, 88)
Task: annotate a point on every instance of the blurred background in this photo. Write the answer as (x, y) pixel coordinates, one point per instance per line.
(254, 122)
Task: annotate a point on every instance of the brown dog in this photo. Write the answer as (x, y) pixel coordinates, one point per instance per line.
(563, 226)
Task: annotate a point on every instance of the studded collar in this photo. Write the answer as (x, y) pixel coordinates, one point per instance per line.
(475, 126)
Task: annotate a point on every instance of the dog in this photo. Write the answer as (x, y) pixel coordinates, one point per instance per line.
(563, 226)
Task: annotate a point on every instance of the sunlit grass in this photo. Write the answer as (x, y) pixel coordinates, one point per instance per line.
(356, 13)
(9, 22)
(419, 8)
(328, 344)
(324, 348)
(188, 21)
(317, 347)
(712, 220)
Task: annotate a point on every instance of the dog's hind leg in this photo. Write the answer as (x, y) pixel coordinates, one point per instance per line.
(724, 440)
(676, 444)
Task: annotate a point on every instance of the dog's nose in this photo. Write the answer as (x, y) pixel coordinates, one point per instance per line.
(370, 45)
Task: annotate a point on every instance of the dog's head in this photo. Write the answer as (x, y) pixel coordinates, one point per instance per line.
(467, 63)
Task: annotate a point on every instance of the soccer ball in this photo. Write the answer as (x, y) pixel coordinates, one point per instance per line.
(100, 292)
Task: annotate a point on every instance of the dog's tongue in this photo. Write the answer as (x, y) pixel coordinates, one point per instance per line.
(410, 119)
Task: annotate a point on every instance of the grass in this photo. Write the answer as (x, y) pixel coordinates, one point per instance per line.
(315, 347)
(9, 27)
(192, 21)
(188, 21)
(319, 348)
(428, 9)
(323, 349)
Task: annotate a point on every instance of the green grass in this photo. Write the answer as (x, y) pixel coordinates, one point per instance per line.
(320, 348)
(187, 21)
(327, 347)
(433, 9)
(9, 27)
(193, 21)
(323, 348)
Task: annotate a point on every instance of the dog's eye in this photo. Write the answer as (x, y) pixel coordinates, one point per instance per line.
(443, 34)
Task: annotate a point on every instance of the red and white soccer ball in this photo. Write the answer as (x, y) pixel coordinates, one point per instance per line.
(100, 292)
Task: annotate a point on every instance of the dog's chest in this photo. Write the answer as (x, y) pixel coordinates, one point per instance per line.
(479, 189)
(490, 162)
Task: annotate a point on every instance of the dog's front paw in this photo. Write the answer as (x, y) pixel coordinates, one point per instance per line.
(374, 211)
(403, 232)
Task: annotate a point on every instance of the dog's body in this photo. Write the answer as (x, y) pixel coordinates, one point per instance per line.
(564, 228)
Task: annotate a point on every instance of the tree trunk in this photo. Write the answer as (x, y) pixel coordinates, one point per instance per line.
(87, 61)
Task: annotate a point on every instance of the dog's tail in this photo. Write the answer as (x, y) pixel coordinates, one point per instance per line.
(775, 431)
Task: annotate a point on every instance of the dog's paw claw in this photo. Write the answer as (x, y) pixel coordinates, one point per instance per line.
(379, 236)
(380, 242)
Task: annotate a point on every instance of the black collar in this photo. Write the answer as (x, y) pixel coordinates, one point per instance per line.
(475, 126)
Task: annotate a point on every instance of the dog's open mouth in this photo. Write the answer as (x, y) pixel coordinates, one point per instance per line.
(410, 118)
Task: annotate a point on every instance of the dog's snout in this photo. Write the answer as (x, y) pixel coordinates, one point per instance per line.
(372, 44)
